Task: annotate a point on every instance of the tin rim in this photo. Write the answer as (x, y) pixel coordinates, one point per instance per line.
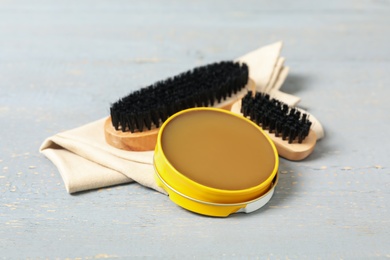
(271, 188)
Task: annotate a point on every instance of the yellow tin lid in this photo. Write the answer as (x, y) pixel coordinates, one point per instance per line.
(215, 156)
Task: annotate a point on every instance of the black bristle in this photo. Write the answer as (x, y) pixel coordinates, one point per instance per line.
(163, 113)
(272, 123)
(148, 120)
(300, 137)
(202, 86)
(130, 123)
(304, 116)
(154, 115)
(114, 119)
(276, 117)
(278, 128)
(139, 122)
(285, 132)
(285, 109)
(292, 135)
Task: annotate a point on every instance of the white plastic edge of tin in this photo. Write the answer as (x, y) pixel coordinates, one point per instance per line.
(257, 204)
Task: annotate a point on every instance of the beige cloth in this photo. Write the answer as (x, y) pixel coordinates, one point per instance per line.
(85, 161)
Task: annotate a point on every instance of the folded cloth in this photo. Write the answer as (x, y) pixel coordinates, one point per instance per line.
(267, 69)
(85, 161)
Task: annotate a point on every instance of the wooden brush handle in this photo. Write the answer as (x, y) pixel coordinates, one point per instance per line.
(141, 141)
(294, 151)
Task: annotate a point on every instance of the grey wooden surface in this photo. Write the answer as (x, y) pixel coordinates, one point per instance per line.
(62, 63)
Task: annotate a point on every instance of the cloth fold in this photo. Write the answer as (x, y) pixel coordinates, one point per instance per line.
(85, 161)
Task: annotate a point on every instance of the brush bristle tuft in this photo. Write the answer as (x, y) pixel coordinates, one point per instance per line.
(276, 117)
(149, 107)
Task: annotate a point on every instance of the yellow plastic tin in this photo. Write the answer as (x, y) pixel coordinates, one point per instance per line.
(189, 168)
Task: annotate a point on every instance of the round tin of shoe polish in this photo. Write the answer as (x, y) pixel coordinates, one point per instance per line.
(208, 156)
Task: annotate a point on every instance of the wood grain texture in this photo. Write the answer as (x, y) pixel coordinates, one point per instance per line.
(62, 64)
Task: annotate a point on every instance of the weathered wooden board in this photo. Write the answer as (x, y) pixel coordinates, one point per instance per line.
(61, 64)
